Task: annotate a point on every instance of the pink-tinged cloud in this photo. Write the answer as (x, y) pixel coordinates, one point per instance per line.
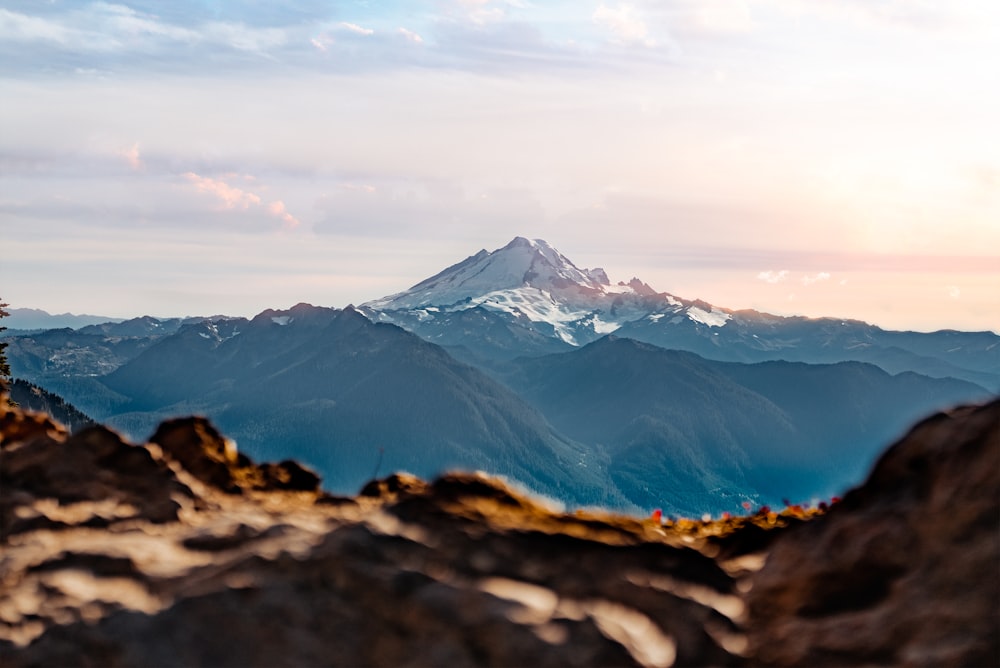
(277, 208)
(773, 276)
(411, 36)
(821, 276)
(230, 197)
(322, 42)
(356, 29)
(131, 155)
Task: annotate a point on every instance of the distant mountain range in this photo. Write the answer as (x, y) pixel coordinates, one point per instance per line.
(528, 299)
(508, 367)
(34, 319)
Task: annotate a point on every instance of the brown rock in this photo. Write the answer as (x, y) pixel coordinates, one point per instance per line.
(906, 570)
(118, 555)
(47, 481)
(197, 446)
(18, 426)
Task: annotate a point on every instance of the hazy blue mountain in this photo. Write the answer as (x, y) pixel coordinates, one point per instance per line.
(36, 319)
(690, 433)
(68, 362)
(149, 326)
(617, 422)
(751, 336)
(349, 396)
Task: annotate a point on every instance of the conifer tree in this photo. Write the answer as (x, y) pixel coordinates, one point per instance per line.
(4, 366)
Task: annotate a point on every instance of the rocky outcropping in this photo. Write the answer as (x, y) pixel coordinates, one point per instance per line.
(905, 571)
(181, 551)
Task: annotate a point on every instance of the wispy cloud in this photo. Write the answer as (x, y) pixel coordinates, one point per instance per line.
(229, 196)
(625, 23)
(104, 30)
(232, 198)
(410, 36)
(815, 278)
(277, 208)
(322, 42)
(131, 156)
(482, 11)
(471, 35)
(355, 28)
(773, 276)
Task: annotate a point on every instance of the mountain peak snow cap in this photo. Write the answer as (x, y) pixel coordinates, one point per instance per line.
(522, 263)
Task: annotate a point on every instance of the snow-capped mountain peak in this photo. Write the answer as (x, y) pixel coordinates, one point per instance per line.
(522, 263)
(530, 282)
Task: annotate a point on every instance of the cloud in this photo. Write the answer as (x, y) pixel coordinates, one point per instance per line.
(131, 156)
(355, 28)
(277, 208)
(773, 276)
(624, 24)
(481, 12)
(190, 38)
(23, 28)
(821, 276)
(410, 36)
(229, 196)
(103, 30)
(232, 198)
(244, 38)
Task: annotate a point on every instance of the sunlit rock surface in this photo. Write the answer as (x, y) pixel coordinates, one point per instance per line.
(182, 552)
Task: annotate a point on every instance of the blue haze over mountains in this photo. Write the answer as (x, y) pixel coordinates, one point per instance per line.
(519, 363)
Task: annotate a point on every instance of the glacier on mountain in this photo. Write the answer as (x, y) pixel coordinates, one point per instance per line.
(529, 279)
(712, 318)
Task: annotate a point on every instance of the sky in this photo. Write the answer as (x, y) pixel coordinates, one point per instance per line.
(836, 158)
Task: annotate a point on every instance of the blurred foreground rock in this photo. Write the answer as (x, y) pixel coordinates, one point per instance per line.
(182, 552)
(904, 571)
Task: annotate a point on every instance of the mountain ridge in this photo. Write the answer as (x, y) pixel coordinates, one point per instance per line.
(618, 422)
(540, 299)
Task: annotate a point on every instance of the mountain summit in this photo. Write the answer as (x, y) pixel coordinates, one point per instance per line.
(523, 263)
(539, 286)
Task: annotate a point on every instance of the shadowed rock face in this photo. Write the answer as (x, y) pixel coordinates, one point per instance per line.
(183, 552)
(906, 570)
